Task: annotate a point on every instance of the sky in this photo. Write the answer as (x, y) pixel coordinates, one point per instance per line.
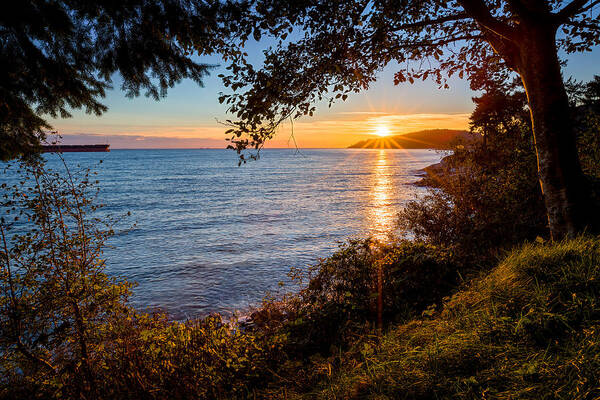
(188, 117)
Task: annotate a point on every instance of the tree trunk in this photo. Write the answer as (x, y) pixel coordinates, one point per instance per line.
(563, 184)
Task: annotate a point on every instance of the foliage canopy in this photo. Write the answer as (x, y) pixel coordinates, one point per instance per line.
(58, 56)
(326, 50)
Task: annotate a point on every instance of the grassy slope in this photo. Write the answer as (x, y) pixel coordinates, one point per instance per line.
(529, 329)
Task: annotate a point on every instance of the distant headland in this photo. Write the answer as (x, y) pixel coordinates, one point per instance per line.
(427, 139)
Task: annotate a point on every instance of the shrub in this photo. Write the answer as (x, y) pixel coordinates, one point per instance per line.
(66, 329)
(339, 302)
(150, 356)
(486, 198)
(528, 329)
(54, 295)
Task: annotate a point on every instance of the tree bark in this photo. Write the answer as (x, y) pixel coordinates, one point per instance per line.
(563, 184)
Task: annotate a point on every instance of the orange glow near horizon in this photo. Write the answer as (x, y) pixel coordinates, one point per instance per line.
(346, 129)
(334, 131)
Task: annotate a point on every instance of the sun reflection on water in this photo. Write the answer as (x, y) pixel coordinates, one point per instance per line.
(382, 216)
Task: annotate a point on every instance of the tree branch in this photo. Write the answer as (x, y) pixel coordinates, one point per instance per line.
(573, 8)
(481, 14)
(437, 42)
(591, 5)
(531, 9)
(429, 22)
(584, 25)
(518, 8)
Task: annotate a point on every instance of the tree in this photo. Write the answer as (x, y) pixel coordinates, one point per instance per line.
(484, 198)
(499, 108)
(55, 297)
(343, 44)
(61, 55)
(586, 113)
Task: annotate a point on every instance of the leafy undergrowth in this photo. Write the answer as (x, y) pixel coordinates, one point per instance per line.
(530, 329)
(340, 301)
(130, 354)
(527, 329)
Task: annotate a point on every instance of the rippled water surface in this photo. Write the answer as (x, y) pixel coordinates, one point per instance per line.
(211, 236)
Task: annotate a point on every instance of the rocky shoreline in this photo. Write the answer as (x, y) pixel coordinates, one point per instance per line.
(432, 174)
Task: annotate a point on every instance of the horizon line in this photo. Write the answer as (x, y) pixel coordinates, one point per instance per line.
(268, 148)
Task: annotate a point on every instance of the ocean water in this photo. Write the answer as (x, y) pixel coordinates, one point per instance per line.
(214, 237)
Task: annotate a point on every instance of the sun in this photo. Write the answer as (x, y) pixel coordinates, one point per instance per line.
(382, 131)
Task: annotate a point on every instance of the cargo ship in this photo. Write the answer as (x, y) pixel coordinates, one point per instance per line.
(70, 148)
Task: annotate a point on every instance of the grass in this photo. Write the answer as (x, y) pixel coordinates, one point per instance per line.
(529, 329)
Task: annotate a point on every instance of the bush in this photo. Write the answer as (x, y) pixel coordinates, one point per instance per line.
(150, 356)
(486, 198)
(66, 329)
(340, 303)
(527, 330)
(54, 295)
